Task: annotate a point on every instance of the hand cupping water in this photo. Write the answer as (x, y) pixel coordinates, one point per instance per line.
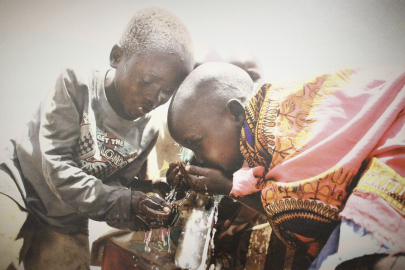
(151, 211)
(200, 179)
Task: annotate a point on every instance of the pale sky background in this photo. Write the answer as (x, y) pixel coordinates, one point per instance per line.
(293, 39)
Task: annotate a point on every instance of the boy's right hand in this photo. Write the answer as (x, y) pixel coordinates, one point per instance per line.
(207, 180)
(154, 212)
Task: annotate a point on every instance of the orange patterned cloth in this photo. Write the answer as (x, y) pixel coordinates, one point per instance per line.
(305, 143)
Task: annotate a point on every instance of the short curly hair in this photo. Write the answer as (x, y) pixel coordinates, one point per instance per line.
(155, 28)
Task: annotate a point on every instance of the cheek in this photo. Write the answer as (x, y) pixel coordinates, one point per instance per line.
(220, 153)
(131, 92)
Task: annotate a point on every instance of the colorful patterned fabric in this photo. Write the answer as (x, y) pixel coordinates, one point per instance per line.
(380, 192)
(384, 181)
(305, 143)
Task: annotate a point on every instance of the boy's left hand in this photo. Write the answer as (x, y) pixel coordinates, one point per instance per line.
(207, 180)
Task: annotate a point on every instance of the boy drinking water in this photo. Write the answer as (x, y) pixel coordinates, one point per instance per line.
(86, 143)
(326, 156)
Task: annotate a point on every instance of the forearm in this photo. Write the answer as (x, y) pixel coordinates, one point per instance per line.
(222, 187)
(88, 195)
(252, 201)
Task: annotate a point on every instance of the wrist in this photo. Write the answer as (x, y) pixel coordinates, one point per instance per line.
(222, 187)
(136, 197)
(225, 188)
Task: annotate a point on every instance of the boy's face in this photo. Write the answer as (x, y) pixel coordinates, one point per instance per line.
(146, 81)
(212, 136)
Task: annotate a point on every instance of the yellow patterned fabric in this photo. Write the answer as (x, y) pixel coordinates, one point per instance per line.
(279, 118)
(385, 182)
(304, 213)
(306, 143)
(278, 125)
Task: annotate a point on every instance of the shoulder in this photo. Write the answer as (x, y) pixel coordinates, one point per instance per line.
(79, 74)
(78, 79)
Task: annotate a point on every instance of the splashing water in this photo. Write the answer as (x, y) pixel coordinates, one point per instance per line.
(216, 203)
(212, 240)
(185, 198)
(163, 238)
(171, 196)
(147, 240)
(217, 199)
(168, 241)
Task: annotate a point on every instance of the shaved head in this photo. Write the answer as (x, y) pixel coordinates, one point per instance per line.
(212, 83)
(212, 96)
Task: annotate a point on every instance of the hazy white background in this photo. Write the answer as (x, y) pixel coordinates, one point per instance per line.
(294, 39)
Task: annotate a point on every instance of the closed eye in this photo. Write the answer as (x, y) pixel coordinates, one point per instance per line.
(145, 81)
(168, 91)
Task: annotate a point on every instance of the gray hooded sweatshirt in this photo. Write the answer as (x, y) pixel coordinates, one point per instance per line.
(76, 156)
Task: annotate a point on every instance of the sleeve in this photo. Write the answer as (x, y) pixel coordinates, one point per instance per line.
(378, 200)
(59, 132)
(391, 147)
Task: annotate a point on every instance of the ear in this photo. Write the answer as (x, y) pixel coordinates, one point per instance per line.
(115, 56)
(236, 108)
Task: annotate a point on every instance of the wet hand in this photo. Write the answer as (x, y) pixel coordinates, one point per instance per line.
(175, 178)
(207, 180)
(152, 211)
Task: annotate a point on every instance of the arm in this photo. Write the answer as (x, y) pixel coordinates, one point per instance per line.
(253, 201)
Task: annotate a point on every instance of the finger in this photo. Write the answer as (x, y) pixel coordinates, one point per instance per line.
(226, 264)
(152, 203)
(161, 202)
(154, 214)
(172, 165)
(179, 179)
(159, 218)
(198, 185)
(187, 180)
(171, 176)
(150, 214)
(196, 170)
(172, 172)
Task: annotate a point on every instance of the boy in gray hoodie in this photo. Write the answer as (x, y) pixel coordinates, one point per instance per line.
(83, 147)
